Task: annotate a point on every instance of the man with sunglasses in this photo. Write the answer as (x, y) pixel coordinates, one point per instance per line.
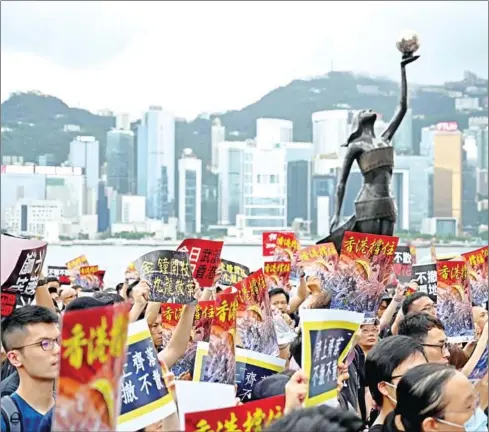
(30, 337)
(430, 332)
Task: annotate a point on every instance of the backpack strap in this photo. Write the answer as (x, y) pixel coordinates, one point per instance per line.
(11, 414)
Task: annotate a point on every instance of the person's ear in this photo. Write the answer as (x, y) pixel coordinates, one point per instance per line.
(382, 388)
(15, 358)
(430, 425)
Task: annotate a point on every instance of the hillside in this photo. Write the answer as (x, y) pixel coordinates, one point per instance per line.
(34, 124)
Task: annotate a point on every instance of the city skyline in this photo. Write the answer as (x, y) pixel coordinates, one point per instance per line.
(122, 63)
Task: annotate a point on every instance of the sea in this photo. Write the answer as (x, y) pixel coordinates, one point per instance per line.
(115, 258)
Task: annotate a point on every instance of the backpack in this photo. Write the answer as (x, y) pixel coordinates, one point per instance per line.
(11, 414)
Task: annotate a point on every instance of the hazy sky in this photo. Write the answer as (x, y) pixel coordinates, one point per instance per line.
(194, 57)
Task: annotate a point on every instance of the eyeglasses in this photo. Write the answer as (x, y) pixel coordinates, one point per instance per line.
(45, 344)
(430, 307)
(442, 347)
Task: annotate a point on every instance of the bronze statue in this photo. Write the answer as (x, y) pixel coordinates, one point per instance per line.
(375, 209)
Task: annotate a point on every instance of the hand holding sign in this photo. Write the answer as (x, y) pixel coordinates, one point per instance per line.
(296, 391)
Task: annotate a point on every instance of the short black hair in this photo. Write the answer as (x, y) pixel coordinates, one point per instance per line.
(318, 419)
(21, 318)
(417, 325)
(77, 287)
(384, 358)
(277, 291)
(52, 279)
(131, 287)
(99, 299)
(108, 297)
(408, 301)
(119, 286)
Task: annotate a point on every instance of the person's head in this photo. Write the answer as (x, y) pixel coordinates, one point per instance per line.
(129, 290)
(67, 295)
(30, 337)
(53, 282)
(361, 121)
(432, 398)
(458, 358)
(279, 299)
(385, 365)
(430, 332)
(317, 419)
(369, 335)
(273, 385)
(156, 331)
(480, 318)
(77, 288)
(419, 302)
(384, 304)
(97, 300)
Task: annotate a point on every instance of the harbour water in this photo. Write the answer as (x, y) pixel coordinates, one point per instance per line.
(114, 259)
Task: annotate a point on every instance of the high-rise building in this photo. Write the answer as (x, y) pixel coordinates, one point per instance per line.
(403, 139)
(123, 121)
(231, 178)
(210, 201)
(426, 145)
(132, 209)
(121, 165)
(329, 131)
(47, 159)
(190, 193)
(419, 168)
(323, 199)
(156, 162)
(84, 153)
(271, 131)
(447, 174)
(103, 213)
(218, 135)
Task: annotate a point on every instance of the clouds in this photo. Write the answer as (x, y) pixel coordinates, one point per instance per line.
(212, 56)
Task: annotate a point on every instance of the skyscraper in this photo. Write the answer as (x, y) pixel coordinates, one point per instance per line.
(156, 162)
(120, 161)
(190, 193)
(218, 135)
(329, 131)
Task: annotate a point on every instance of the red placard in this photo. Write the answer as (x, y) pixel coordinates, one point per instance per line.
(251, 416)
(8, 303)
(277, 273)
(277, 243)
(204, 257)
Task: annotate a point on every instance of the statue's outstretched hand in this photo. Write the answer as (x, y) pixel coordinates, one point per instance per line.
(410, 59)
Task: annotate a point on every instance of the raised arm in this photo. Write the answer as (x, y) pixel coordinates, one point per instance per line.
(396, 121)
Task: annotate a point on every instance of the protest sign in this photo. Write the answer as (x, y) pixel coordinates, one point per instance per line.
(232, 272)
(61, 273)
(454, 307)
(256, 331)
(319, 263)
(77, 262)
(364, 270)
(93, 351)
(169, 276)
(220, 365)
(403, 264)
(21, 268)
(477, 268)
(277, 273)
(87, 277)
(204, 257)
(326, 340)
(253, 367)
(144, 397)
(279, 245)
(480, 369)
(426, 278)
(251, 416)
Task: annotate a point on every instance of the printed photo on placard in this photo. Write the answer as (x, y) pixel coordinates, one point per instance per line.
(144, 398)
(403, 265)
(204, 257)
(364, 270)
(477, 267)
(454, 307)
(232, 272)
(480, 369)
(61, 273)
(326, 340)
(320, 263)
(93, 352)
(277, 273)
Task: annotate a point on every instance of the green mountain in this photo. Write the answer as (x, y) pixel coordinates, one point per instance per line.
(34, 124)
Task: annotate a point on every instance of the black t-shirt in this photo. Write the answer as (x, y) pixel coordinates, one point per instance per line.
(376, 428)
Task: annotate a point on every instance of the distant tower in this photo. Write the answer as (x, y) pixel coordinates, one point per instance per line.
(218, 135)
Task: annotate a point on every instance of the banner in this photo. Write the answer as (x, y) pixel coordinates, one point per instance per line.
(277, 273)
(256, 331)
(426, 278)
(232, 273)
(204, 257)
(77, 262)
(93, 351)
(21, 268)
(364, 270)
(454, 307)
(320, 263)
(220, 365)
(280, 245)
(145, 399)
(326, 340)
(251, 416)
(477, 267)
(61, 273)
(169, 276)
